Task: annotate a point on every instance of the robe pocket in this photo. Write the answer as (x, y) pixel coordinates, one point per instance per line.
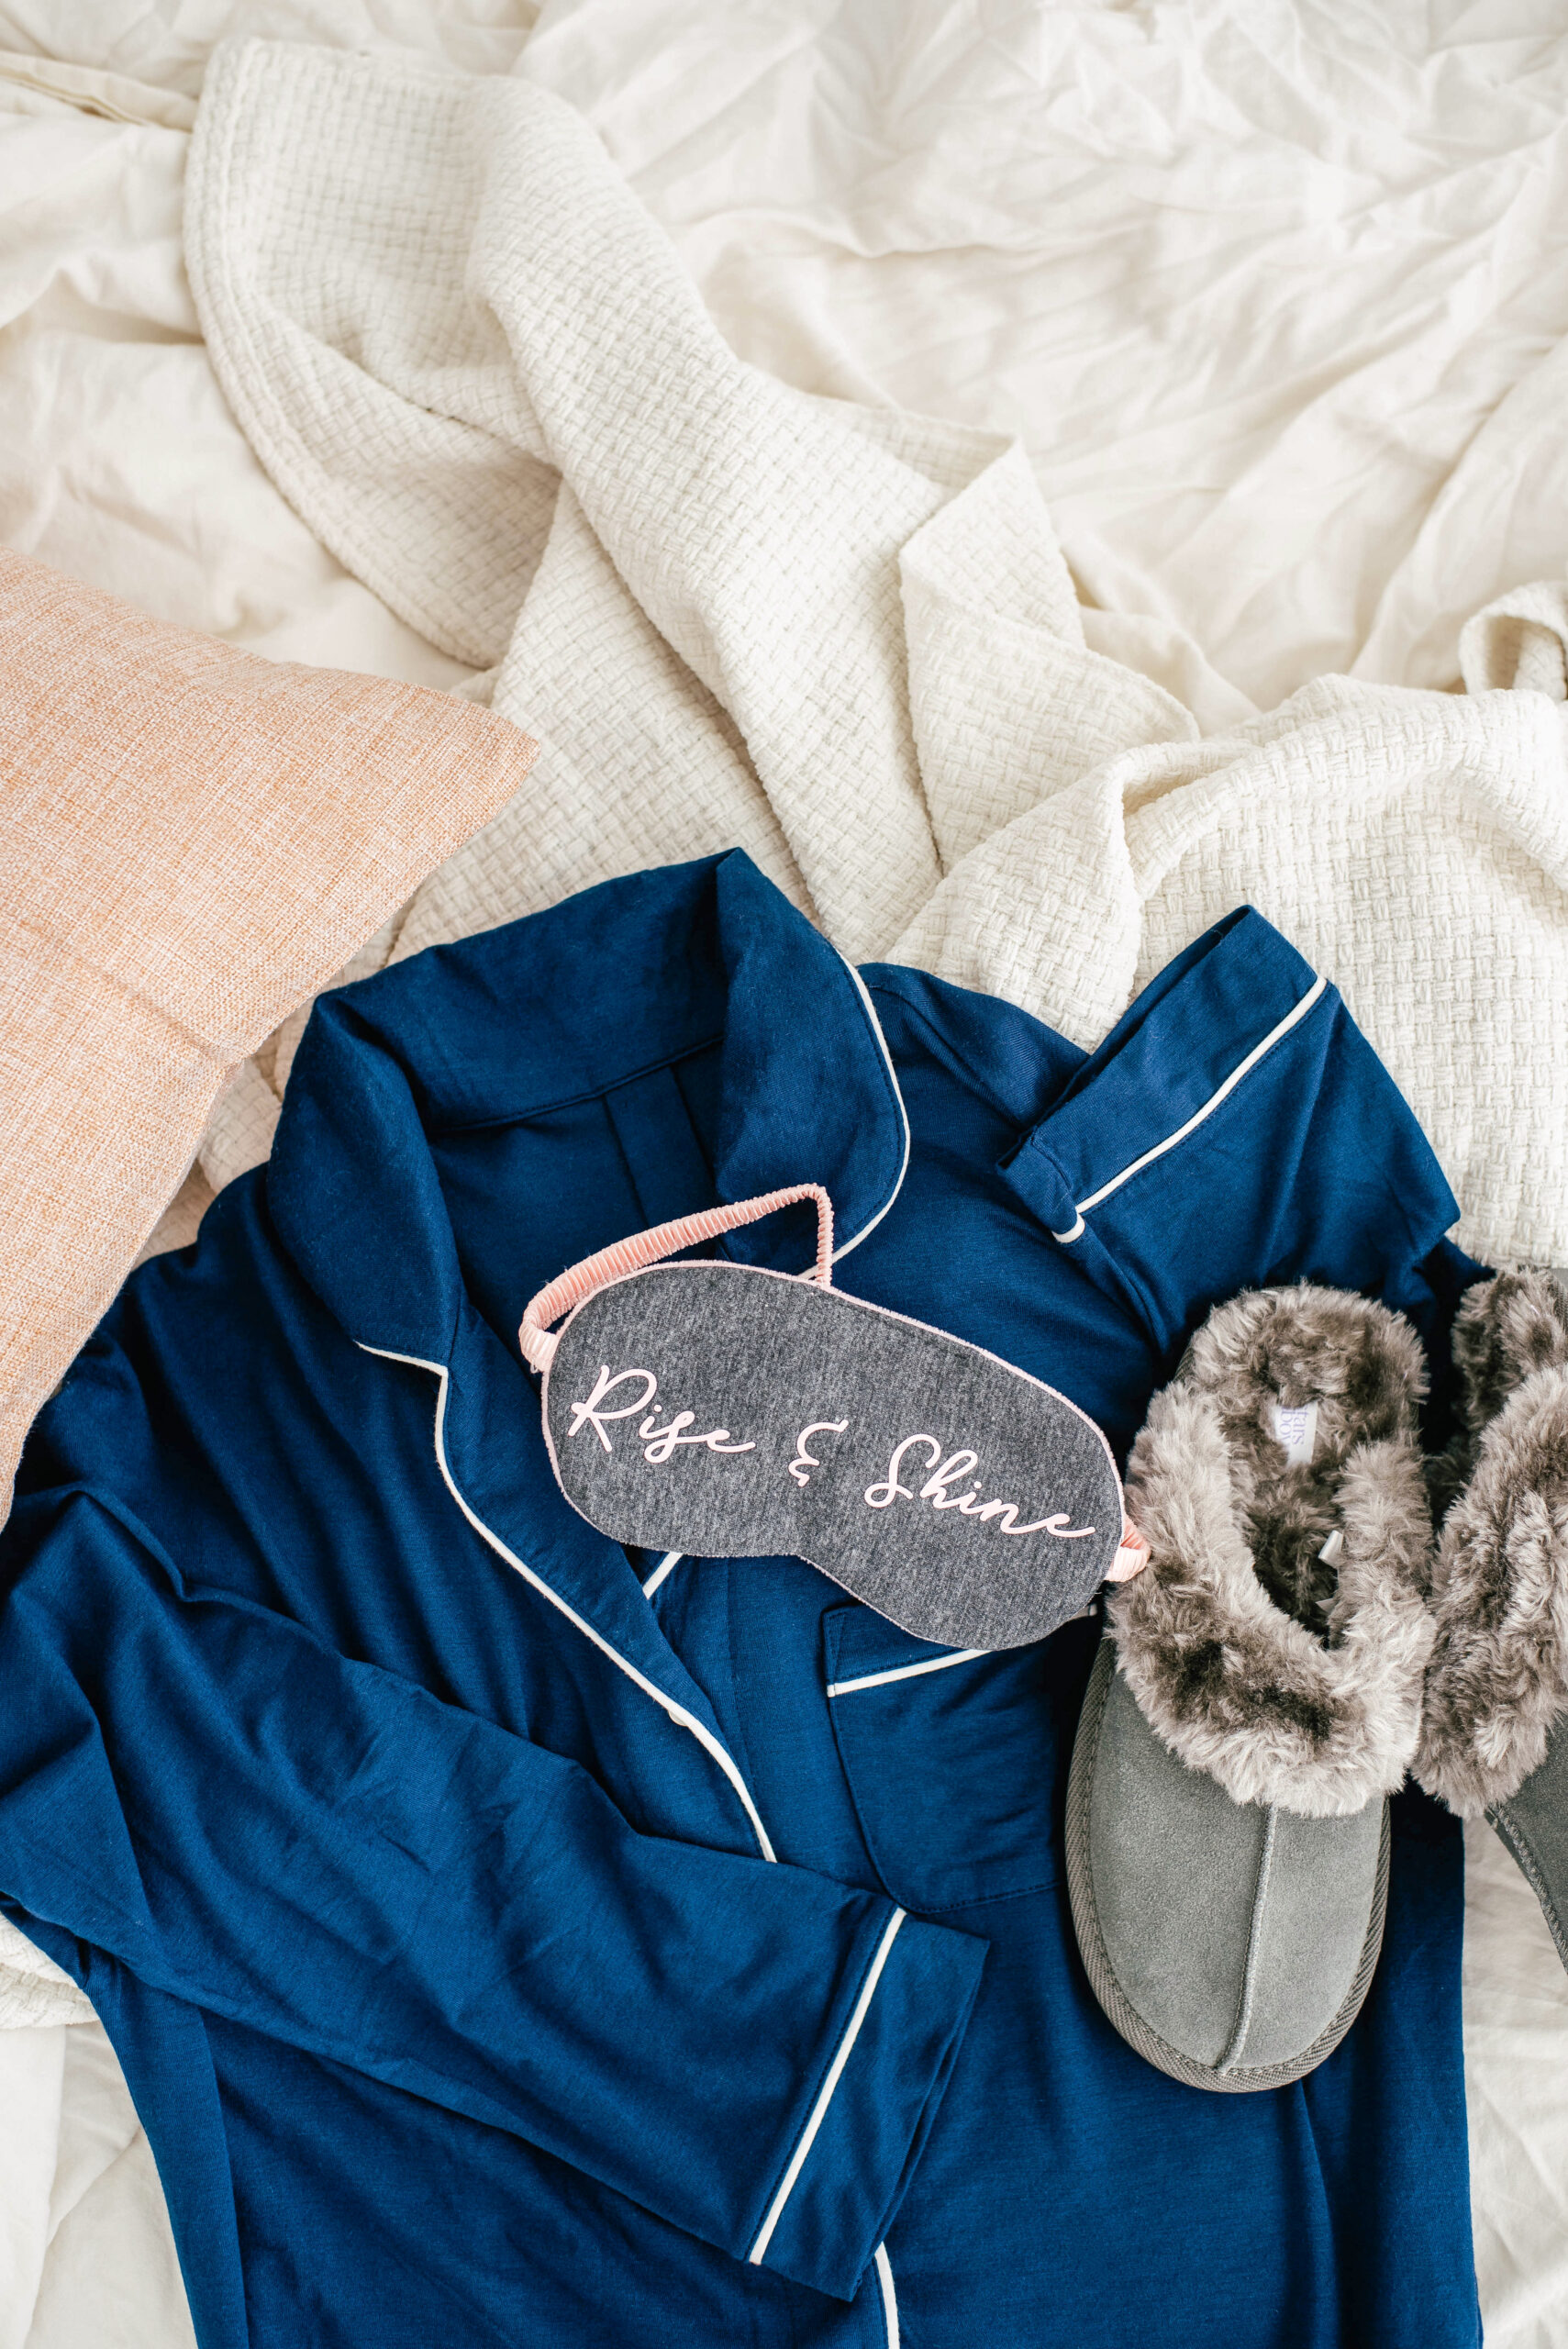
(957, 1764)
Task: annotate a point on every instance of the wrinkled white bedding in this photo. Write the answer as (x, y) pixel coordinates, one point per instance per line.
(1277, 298)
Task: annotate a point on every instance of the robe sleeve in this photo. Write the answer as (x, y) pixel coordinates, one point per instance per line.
(315, 1847)
(1235, 1131)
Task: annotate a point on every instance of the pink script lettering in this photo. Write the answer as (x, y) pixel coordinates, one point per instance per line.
(953, 1470)
(659, 1442)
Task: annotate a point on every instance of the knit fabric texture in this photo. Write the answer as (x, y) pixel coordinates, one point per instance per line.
(841, 637)
(190, 841)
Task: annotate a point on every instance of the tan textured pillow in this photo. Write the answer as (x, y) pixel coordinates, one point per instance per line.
(191, 840)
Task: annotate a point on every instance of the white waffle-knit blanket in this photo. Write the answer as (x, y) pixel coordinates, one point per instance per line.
(842, 637)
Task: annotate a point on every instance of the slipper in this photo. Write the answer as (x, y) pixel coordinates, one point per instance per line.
(1495, 1735)
(1258, 1694)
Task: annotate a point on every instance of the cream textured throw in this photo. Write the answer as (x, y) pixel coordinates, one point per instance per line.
(841, 637)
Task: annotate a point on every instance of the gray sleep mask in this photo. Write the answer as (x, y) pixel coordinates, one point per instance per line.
(725, 1411)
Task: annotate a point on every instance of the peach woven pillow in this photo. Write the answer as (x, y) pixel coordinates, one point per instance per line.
(191, 841)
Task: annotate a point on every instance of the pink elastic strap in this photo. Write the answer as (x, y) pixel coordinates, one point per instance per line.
(1133, 1555)
(611, 1263)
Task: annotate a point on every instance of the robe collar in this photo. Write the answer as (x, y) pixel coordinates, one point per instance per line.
(564, 1006)
(559, 1007)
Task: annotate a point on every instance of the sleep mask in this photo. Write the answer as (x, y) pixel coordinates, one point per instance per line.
(722, 1410)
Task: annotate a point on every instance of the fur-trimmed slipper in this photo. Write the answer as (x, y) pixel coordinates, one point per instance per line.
(1228, 1838)
(1494, 1737)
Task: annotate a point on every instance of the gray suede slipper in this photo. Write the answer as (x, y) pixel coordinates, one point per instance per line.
(1494, 1737)
(1257, 1696)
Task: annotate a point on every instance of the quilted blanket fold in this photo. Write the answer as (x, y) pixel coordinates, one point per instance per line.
(840, 637)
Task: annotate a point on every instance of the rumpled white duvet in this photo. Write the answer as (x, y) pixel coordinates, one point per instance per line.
(1273, 302)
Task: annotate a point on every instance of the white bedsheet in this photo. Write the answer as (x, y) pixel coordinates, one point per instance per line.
(1278, 300)
(1273, 294)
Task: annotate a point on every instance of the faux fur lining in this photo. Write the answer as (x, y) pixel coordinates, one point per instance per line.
(1506, 1330)
(1499, 1671)
(1313, 1704)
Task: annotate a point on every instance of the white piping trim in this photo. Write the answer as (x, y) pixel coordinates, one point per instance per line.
(889, 2296)
(870, 1009)
(905, 1672)
(671, 1558)
(825, 2097)
(677, 1713)
(1242, 1068)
